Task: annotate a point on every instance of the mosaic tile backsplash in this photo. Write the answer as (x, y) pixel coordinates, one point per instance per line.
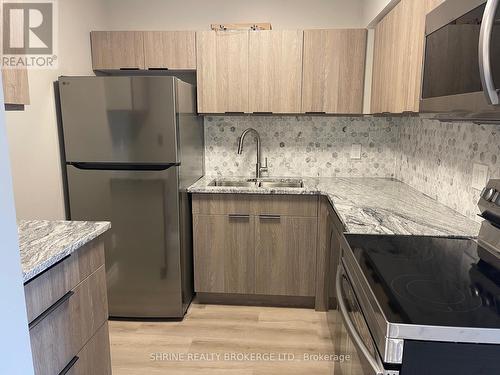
(433, 157)
(306, 146)
(437, 159)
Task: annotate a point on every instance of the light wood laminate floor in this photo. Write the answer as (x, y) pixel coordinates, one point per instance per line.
(290, 335)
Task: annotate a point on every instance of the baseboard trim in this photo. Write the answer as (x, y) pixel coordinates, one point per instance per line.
(254, 300)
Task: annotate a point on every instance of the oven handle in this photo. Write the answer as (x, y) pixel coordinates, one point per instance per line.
(485, 52)
(375, 363)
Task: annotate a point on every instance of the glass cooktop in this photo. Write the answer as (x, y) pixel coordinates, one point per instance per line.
(430, 280)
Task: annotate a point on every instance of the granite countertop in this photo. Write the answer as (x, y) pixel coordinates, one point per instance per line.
(44, 243)
(371, 205)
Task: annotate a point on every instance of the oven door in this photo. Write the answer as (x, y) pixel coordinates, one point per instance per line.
(353, 336)
(461, 72)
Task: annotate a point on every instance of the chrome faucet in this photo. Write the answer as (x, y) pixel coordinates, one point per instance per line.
(258, 167)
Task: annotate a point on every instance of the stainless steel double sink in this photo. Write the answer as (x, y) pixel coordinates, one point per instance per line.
(259, 183)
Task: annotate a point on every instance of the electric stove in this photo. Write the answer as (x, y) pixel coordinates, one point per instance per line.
(421, 304)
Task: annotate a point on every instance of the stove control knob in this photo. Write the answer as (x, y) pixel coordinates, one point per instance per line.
(488, 194)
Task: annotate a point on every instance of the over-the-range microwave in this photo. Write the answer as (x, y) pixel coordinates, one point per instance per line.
(461, 75)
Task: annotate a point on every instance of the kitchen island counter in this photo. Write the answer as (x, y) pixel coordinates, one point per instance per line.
(44, 243)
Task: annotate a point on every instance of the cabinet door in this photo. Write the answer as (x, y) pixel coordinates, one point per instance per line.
(174, 50)
(15, 86)
(398, 57)
(285, 255)
(224, 253)
(334, 70)
(222, 71)
(413, 49)
(387, 63)
(117, 50)
(325, 230)
(275, 72)
(334, 262)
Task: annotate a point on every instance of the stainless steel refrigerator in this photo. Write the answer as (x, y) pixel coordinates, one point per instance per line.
(132, 145)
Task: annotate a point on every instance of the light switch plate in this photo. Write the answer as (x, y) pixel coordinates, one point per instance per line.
(479, 176)
(356, 151)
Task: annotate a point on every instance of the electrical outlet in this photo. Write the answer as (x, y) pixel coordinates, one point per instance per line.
(479, 176)
(356, 151)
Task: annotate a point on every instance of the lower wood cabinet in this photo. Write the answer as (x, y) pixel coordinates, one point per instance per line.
(67, 313)
(259, 245)
(94, 357)
(224, 253)
(285, 261)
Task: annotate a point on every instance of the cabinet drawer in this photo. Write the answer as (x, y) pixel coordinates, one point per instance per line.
(94, 358)
(43, 291)
(287, 205)
(221, 204)
(60, 335)
(232, 204)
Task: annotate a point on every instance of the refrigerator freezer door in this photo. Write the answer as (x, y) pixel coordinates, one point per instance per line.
(119, 119)
(143, 256)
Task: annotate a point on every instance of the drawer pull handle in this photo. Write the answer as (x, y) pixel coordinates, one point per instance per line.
(69, 365)
(47, 312)
(238, 216)
(270, 217)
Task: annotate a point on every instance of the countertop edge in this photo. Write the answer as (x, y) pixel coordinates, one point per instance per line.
(103, 227)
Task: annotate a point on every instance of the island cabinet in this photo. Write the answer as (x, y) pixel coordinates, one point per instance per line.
(67, 314)
(398, 57)
(255, 245)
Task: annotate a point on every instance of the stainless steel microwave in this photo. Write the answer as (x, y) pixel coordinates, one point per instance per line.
(461, 75)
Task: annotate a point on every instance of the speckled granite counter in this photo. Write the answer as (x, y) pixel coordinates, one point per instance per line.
(44, 243)
(371, 205)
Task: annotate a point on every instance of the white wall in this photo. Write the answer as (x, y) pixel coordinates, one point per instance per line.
(199, 14)
(32, 134)
(15, 351)
(373, 10)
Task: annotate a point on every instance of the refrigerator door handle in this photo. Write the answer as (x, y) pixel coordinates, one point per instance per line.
(122, 166)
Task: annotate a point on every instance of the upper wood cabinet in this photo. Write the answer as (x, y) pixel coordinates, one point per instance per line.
(15, 86)
(334, 70)
(117, 50)
(173, 50)
(222, 71)
(398, 57)
(275, 71)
